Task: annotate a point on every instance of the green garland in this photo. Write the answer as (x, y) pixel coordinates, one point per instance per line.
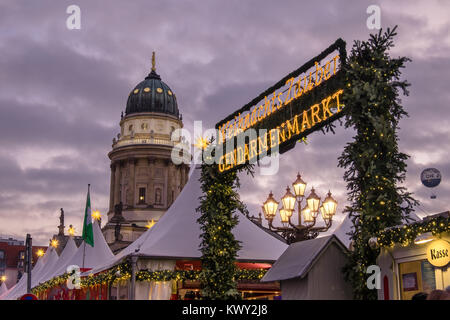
(374, 165)
(406, 234)
(219, 248)
(124, 269)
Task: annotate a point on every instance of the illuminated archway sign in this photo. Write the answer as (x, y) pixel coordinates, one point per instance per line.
(302, 102)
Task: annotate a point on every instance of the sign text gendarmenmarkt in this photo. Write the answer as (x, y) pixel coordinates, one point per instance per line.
(302, 102)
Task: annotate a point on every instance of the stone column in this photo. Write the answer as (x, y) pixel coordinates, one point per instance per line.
(132, 181)
(170, 177)
(111, 187)
(151, 185)
(117, 183)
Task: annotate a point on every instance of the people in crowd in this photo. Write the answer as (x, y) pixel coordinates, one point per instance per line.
(438, 295)
(420, 296)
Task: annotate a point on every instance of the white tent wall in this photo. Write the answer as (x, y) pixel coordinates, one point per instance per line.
(147, 290)
(154, 290)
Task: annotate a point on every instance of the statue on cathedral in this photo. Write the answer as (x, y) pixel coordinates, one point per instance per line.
(117, 234)
(61, 223)
(118, 209)
(117, 217)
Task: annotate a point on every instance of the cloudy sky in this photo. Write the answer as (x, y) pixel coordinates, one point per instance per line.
(62, 91)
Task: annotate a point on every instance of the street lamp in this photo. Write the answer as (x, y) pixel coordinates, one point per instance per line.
(329, 205)
(288, 200)
(299, 186)
(270, 207)
(313, 202)
(285, 215)
(308, 213)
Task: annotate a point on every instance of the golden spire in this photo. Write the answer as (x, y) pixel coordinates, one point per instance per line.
(153, 62)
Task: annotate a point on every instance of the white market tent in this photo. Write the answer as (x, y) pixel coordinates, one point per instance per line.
(3, 289)
(45, 262)
(62, 263)
(177, 234)
(23, 281)
(93, 256)
(52, 259)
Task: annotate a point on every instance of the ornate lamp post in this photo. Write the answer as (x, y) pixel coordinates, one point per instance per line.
(307, 215)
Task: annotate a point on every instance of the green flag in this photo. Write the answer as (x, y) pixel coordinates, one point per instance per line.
(88, 234)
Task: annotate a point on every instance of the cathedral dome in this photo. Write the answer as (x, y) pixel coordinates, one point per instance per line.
(152, 95)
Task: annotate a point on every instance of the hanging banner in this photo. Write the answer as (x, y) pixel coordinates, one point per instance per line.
(302, 102)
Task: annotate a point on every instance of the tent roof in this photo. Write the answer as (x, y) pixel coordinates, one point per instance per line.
(46, 261)
(3, 289)
(51, 261)
(93, 256)
(177, 234)
(23, 280)
(62, 263)
(299, 258)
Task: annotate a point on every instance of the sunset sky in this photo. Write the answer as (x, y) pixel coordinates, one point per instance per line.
(62, 91)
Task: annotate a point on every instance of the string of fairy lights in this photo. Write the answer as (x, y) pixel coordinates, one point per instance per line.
(122, 272)
(405, 235)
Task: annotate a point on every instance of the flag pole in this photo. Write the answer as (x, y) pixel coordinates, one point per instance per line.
(84, 247)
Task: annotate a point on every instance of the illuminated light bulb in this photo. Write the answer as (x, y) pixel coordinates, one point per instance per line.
(54, 243)
(71, 231)
(150, 224)
(201, 143)
(96, 215)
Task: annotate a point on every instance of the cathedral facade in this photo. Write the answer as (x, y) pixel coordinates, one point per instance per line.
(145, 180)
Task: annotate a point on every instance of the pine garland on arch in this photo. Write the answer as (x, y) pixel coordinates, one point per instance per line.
(219, 248)
(375, 167)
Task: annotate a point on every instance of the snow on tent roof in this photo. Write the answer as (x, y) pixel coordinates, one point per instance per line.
(298, 259)
(177, 233)
(62, 263)
(95, 255)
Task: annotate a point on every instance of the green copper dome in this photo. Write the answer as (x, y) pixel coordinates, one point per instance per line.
(152, 95)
